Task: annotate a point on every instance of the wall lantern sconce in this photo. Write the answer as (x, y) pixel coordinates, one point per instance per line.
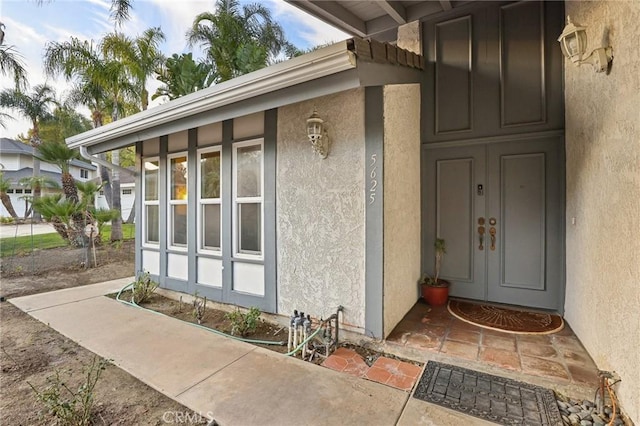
(317, 133)
(573, 42)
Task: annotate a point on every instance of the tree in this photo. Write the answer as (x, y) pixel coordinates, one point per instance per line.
(5, 184)
(141, 56)
(103, 82)
(35, 107)
(182, 75)
(37, 183)
(237, 40)
(63, 123)
(61, 155)
(11, 63)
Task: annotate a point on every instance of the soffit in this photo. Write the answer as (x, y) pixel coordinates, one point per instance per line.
(375, 19)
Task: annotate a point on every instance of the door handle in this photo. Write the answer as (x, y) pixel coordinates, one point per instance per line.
(492, 232)
(481, 233)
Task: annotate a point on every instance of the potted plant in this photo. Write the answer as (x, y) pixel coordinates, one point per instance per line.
(434, 289)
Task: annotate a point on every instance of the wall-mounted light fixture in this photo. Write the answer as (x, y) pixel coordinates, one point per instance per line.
(573, 42)
(317, 133)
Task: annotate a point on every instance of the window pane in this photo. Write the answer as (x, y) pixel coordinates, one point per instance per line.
(153, 224)
(179, 228)
(249, 171)
(179, 178)
(211, 226)
(249, 228)
(150, 180)
(210, 171)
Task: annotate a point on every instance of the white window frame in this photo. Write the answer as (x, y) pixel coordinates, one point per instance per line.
(236, 222)
(146, 202)
(84, 174)
(207, 201)
(171, 203)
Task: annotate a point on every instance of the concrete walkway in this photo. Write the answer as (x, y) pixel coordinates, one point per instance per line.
(22, 229)
(233, 382)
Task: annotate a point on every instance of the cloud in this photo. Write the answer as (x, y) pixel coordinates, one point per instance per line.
(309, 28)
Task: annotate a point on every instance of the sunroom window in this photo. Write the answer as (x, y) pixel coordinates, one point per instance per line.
(151, 220)
(178, 201)
(248, 183)
(209, 200)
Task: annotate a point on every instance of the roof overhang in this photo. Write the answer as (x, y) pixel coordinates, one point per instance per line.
(378, 19)
(325, 71)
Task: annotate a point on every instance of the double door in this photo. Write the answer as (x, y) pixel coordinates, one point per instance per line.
(499, 208)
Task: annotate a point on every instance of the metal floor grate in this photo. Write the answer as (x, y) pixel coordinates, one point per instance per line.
(497, 399)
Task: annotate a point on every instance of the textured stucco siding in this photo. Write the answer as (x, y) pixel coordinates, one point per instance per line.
(401, 201)
(603, 195)
(320, 210)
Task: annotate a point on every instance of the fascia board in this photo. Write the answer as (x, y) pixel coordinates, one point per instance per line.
(314, 65)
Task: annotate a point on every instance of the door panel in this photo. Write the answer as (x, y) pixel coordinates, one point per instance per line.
(454, 216)
(523, 217)
(525, 197)
(452, 204)
(518, 187)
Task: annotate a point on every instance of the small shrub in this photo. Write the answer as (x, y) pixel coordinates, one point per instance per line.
(6, 219)
(243, 323)
(143, 288)
(199, 308)
(69, 407)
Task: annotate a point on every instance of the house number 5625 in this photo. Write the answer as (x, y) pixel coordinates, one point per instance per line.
(373, 182)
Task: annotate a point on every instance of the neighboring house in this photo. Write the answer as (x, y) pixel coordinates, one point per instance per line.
(488, 125)
(16, 161)
(127, 194)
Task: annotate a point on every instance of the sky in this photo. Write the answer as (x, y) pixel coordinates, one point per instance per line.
(29, 26)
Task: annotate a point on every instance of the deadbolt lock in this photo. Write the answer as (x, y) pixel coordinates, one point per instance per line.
(492, 221)
(481, 221)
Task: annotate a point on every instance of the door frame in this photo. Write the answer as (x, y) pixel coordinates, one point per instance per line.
(559, 134)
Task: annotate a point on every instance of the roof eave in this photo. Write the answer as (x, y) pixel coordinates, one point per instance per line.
(322, 62)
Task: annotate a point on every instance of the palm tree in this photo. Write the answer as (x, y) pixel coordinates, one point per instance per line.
(61, 155)
(11, 62)
(237, 40)
(35, 107)
(101, 82)
(37, 183)
(182, 75)
(140, 55)
(5, 184)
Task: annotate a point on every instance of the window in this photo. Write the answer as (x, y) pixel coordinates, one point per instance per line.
(84, 173)
(9, 191)
(18, 191)
(178, 200)
(102, 192)
(27, 191)
(209, 200)
(151, 205)
(126, 192)
(247, 193)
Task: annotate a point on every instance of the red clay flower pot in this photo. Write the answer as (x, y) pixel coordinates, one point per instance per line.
(435, 296)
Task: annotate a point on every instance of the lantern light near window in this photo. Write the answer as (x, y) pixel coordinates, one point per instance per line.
(573, 42)
(317, 134)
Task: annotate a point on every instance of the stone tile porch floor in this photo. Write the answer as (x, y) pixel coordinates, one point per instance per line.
(555, 360)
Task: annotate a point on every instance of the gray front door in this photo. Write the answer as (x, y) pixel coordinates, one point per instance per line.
(499, 208)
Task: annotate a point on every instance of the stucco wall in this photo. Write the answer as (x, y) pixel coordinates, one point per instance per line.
(401, 201)
(320, 210)
(603, 195)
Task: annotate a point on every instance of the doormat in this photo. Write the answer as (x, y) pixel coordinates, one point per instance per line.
(505, 319)
(493, 398)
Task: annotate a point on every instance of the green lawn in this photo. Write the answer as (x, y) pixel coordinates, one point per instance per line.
(23, 245)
